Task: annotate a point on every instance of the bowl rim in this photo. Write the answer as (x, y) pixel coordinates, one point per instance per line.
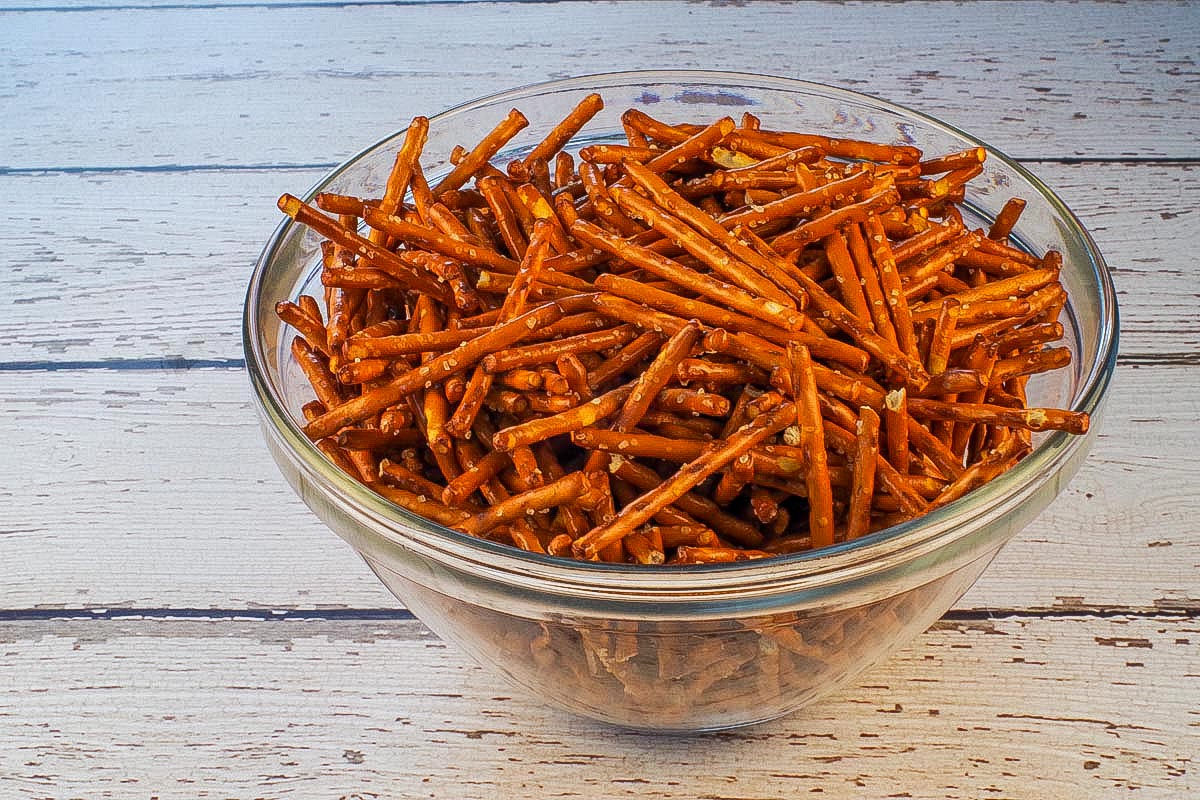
(846, 560)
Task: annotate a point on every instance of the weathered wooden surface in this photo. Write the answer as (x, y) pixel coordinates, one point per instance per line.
(285, 83)
(212, 639)
(1037, 709)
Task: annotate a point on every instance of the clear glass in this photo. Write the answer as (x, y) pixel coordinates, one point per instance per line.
(706, 647)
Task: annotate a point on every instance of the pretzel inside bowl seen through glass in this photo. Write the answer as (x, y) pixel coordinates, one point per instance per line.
(543, 394)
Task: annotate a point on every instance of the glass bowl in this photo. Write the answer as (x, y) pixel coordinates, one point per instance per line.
(704, 647)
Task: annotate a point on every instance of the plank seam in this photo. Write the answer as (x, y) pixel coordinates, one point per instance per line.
(5, 172)
(125, 365)
(184, 364)
(163, 168)
(1188, 611)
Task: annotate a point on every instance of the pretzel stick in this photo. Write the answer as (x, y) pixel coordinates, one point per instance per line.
(642, 550)
(567, 489)
(615, 153)
(993, 463)
(343, 205)
(650, 127)
(889, 279)
(375, 439)
(625, 359)
(543, 212)
(981, 358)
(844, 148)
(1028, 337)
(1015, 286)
(607, 211)
(692, 147)
(1041, 361)
(939, 259)
(926, 240)
(690, 503)
(715, 555)
(866, 454)
(845, 273)
(1034, 419)
(407, 343)
(719, 261)
(837, 193)
(684, 308)
(482, 152)
(434, 407)
(864, 267)
(1000, 248)
(570, 125)
(673, 536)
(825, 224)
(692, 401)
(539, 429)
(472, 477)
(650, 383)
(698, 369)
(364, 248)
(902, 362)
(355, 372)
(312, 329)
(1002, 226)
(547, 352)
(444, 220)
(402, 169)
(954, 180)
(427, 237)
(637, 444)
(971, 157)
(400, 476)
(743, 301)
(943, 332)
(422, 506)
(423, 198)
(643, 509)
(360, 278)
(316, 369)
(706, 225)
(460, 358)
(812, 440)
(509, 229)
(895, 418)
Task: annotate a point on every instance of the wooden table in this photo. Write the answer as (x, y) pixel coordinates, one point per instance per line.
(174, 623)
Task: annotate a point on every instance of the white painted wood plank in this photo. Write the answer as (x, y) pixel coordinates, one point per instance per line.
(153, 489)
(294, 83)
(1038, 709)
(148, 266)
(155, 265)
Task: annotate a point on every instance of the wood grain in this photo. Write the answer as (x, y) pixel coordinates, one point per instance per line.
(154, 266)
(154, 489)
(285, 83)
(213, 640)
(1037, 709)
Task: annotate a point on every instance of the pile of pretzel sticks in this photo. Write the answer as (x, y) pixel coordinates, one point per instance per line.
(708, 343)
